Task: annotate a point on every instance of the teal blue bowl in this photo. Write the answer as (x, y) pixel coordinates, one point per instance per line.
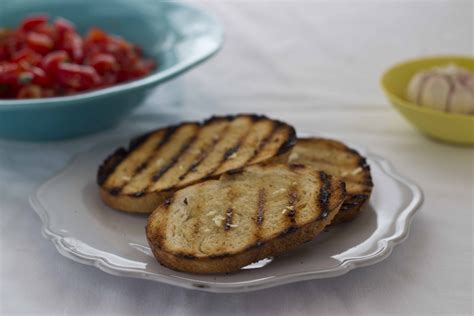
(177, 36)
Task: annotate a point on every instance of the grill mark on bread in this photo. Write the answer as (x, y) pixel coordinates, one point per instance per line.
(275, 127)
(228, 219)
(261, 201)
(292, 198)
(115, 190)
(157, 175)
(289, 143)
(338, 159)
(324, 194)
(294, 166)
(367, 181)
(109, 165)
(134, 144)
(140, 167)
(138, 140)
(196, 227)
(203, 155)
(260, 206)
(229, 214)
(229, 152)
(166, 137)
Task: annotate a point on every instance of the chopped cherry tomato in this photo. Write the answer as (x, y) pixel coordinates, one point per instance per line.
(40, 77)
(51, 61)
(47, 30)
(96, 35)
(141, 69)
(40, 43)
(72, 43)
(3, 53)
(79, 77)
(63, 25)
(41, 59)
(104, 63)
(33, 21)
(14, 42)
(27, 55)
(8, 73)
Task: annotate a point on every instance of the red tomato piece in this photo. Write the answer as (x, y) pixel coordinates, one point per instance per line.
(103, 63)
(27, 55)
(96, 35)
(63, 25)
(109, 79)
(5, 35)
(141, 68)
(79, 77)
(51, 61)
(48, 30)
(4, 55)
(40, 77)
(8, 73)
(40, 43)
(33, 21)
(73, 44)
(14, 42)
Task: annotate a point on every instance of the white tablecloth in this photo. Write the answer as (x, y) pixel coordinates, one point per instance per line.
(315, 65)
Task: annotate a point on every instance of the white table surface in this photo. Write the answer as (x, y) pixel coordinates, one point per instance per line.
(315, 65)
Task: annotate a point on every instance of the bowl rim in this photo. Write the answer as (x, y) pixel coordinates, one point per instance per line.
(150, 80)
(401, 102)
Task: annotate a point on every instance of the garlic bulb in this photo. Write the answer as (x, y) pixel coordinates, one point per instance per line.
(449, 88)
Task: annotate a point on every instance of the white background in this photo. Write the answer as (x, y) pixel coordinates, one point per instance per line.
(317, 66)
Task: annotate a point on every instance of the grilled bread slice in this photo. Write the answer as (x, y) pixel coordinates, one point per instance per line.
(337, 159)
(140, 178)
(263, 210)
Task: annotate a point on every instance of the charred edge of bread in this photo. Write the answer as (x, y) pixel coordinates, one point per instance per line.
(350, 208)
(290, 142)
(112, 161)
(362, 163)
(130, 203)
(156, 239)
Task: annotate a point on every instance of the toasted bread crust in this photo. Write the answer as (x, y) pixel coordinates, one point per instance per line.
(331, 197)
(306, 151)
(146, 200)
(234, 262)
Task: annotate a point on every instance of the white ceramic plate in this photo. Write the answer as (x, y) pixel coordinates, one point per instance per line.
(85, 230)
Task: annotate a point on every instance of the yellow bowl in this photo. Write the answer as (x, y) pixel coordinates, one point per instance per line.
(449, 127)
